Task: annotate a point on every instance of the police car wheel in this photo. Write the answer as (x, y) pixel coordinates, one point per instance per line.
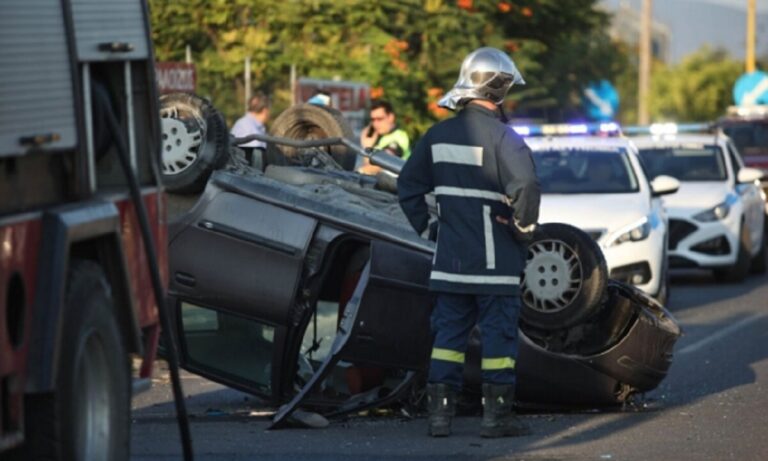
(565, 277)
(740, 269)
(194, 140)
(760, 261)
(309, 121)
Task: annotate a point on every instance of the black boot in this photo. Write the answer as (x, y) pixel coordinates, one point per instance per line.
(441, 403)
(498, 419)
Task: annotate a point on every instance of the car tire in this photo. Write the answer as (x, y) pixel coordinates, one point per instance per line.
(195, 142)
(565, 277)
(760, 261)
(664, 281)
(739, 271)
(89, 409)
(309, 121)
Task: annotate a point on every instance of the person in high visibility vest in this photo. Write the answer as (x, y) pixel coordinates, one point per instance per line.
(488, 195)
(384, 134)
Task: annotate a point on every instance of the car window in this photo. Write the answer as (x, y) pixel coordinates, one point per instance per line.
(228, 345)
(700, 163)
(751, 138)
(584, 172)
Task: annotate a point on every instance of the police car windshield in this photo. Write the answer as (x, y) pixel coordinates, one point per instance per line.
(584, 172)
(701, 163)
(750, 138)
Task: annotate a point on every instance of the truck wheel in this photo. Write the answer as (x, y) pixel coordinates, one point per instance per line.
(308, 121)
(88, 414)
(564, 278)
(195, 142)
(739, 271)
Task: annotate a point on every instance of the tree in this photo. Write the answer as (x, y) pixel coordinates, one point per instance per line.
(698, 89)
(408, 49)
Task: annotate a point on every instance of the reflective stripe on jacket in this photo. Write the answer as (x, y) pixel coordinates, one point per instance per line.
(478, 168)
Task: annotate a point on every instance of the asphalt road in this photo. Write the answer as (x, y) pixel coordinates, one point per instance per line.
(712, 406)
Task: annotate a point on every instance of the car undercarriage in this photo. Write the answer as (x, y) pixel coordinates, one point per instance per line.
(303, 283)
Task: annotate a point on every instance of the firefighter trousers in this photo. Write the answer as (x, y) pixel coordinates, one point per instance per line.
(454, 317)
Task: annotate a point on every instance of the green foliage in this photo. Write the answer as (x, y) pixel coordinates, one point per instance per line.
(698, 89)
(410, 49)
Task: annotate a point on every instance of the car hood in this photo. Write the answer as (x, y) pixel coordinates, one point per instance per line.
(696, 196)
(607, 212)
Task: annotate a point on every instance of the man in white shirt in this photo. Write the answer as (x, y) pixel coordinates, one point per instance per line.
(253, 123)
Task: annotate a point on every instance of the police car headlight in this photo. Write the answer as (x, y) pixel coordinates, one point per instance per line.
(714, 214)
(636, 233)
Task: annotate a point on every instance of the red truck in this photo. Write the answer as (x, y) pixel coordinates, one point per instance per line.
(79, 321)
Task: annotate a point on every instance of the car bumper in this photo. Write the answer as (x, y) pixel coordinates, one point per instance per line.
(704, 244)
(638, 263)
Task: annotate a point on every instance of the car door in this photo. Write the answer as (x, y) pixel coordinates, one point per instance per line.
(235, 264)
(385, 324)
(750, 195)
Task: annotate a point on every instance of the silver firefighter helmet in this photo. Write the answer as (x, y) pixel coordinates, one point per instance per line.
(486, 73)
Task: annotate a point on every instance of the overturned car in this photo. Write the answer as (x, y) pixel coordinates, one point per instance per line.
(300, 281)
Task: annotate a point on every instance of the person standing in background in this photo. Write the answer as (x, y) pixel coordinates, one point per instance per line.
(383, 134)
(253, 122)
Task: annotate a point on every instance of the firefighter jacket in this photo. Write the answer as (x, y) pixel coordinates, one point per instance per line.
(478, 168)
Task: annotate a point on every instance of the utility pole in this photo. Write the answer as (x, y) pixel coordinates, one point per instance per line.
(644, 77)
(751, 7)
(247, 81)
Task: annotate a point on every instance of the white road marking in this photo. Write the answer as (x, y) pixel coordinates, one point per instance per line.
(720, 334)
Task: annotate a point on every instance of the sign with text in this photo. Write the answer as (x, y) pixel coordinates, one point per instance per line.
(175, 77)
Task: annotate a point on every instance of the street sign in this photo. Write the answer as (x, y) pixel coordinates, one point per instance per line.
(600, 100)
(751, 89)
(175, 77)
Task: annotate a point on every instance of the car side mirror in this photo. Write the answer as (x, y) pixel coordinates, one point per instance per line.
(664, 185)
(747, 175)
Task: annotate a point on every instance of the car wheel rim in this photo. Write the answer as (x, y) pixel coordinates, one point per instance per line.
(181, 142)
(552, 276)
(92, 401)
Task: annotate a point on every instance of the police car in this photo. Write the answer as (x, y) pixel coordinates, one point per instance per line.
(596, 182)
(717, 218)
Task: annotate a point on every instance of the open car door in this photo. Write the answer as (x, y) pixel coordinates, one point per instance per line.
(235, 267)
(385, 324)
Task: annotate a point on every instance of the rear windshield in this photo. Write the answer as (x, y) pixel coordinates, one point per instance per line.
(704, 163)
(584, 172)
(750, 138)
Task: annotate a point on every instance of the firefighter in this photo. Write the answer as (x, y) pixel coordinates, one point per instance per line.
(487, 195)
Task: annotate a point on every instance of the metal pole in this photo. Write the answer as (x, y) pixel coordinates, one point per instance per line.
(644, 78)
(750, 55)
(188, 54)
(293, 84)
(247, 79)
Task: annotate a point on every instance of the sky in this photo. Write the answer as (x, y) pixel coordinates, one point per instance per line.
(717, 23)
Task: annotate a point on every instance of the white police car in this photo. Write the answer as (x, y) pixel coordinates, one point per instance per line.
(597, 184)
(717, 218)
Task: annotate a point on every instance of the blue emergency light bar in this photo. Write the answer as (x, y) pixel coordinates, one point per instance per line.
(661, 129)
(568, 129)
